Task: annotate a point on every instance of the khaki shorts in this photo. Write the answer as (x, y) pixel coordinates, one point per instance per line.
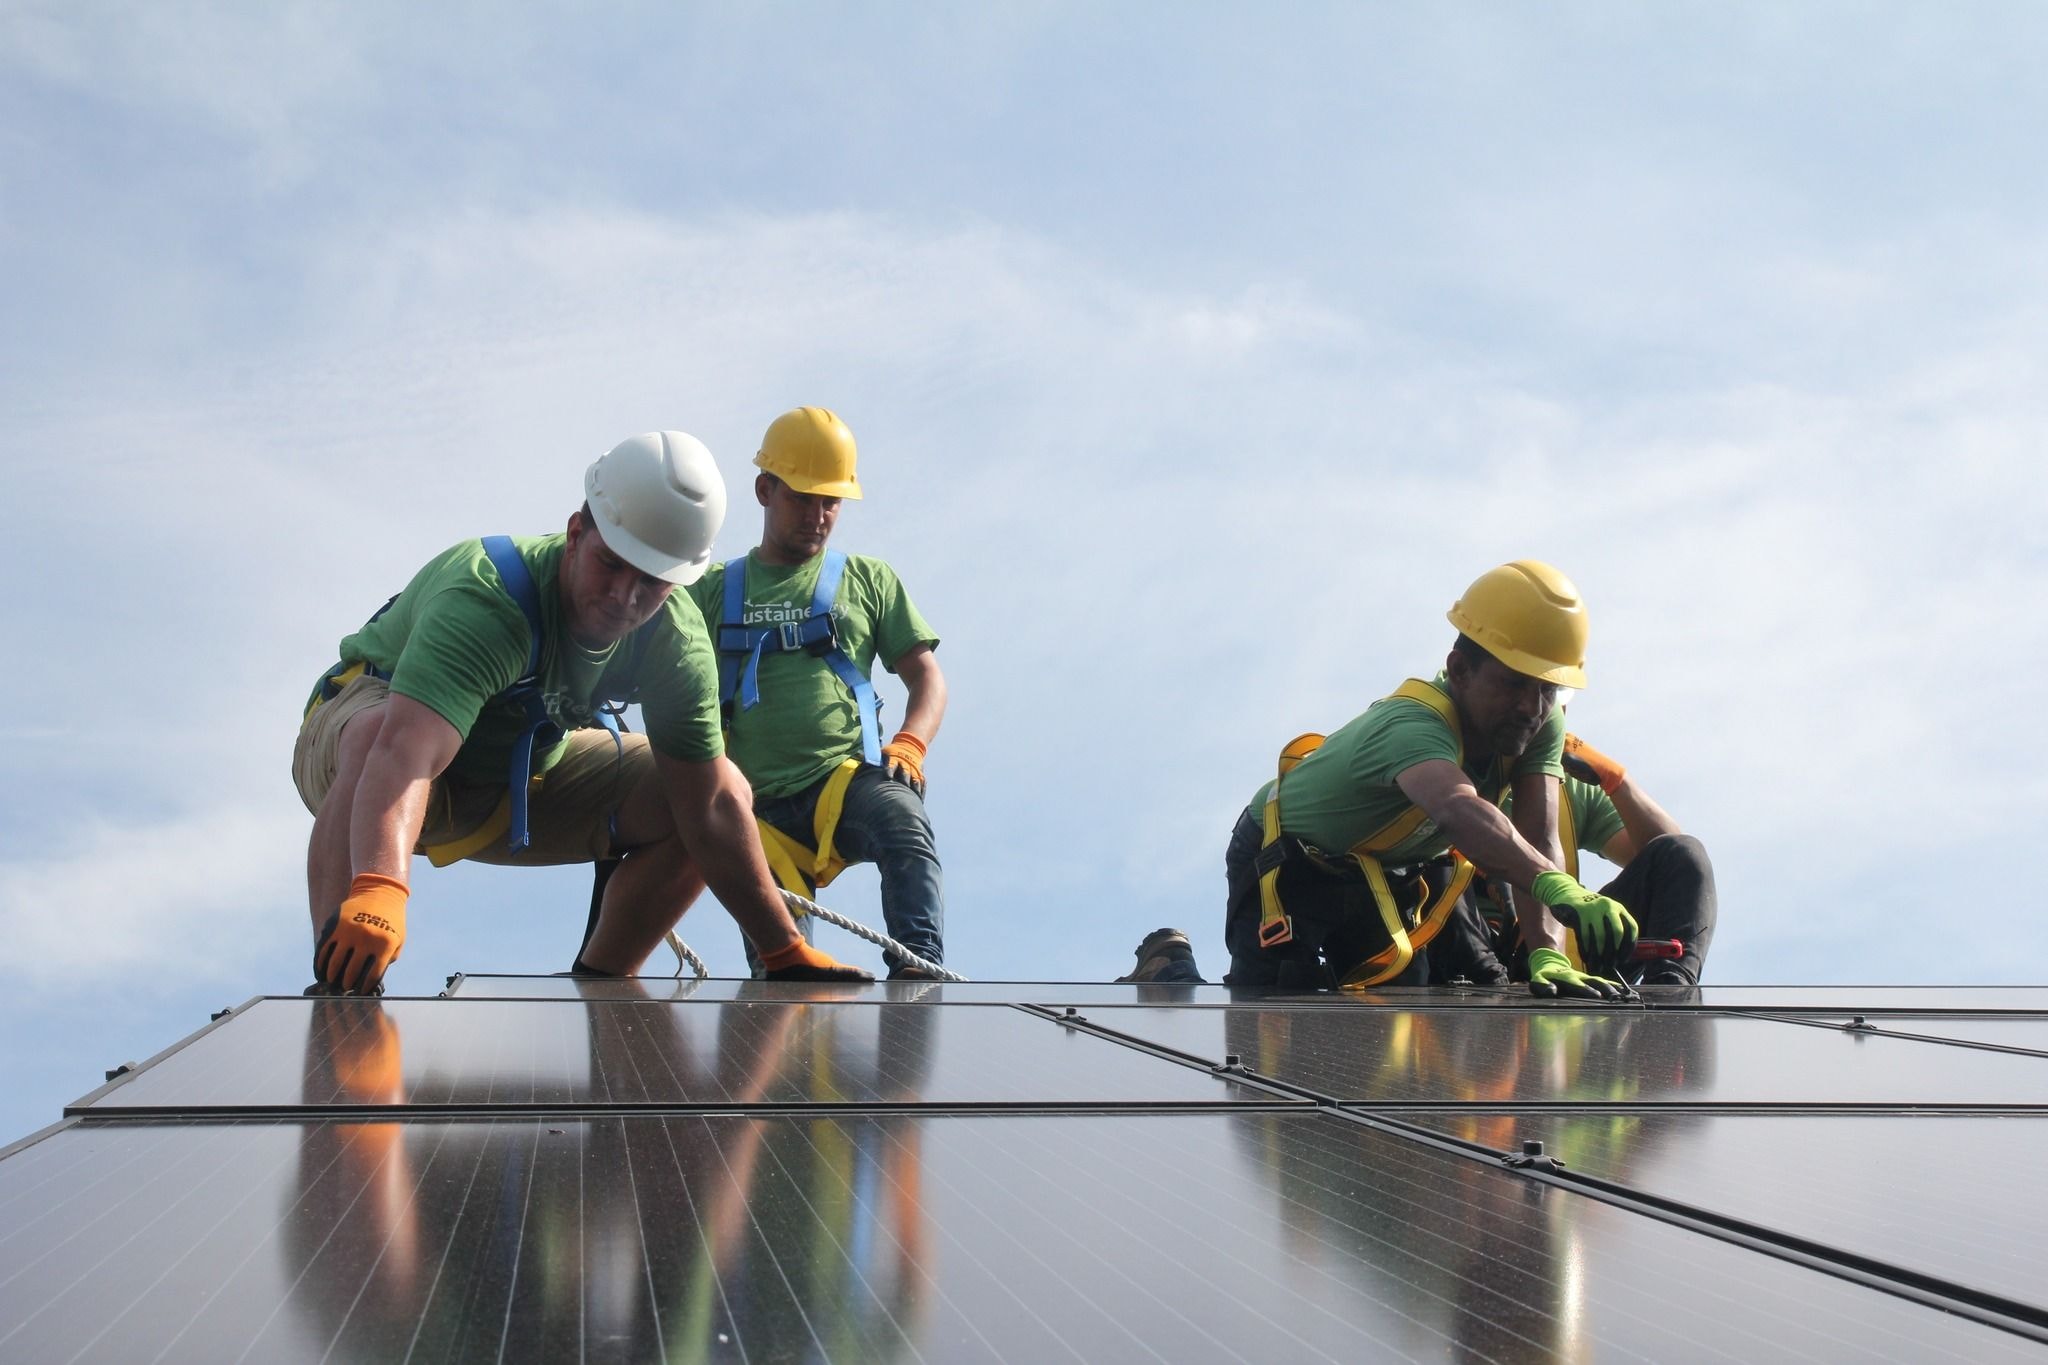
(569, 808)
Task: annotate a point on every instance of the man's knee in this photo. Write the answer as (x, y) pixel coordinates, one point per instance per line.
(1680, 850)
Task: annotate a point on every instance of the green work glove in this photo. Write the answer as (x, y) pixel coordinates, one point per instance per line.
(1551, 974)
(1606, 930)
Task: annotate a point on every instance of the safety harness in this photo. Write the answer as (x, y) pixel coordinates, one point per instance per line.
(798, 867)
(1278, 849)
(525, 690)
(740, 647)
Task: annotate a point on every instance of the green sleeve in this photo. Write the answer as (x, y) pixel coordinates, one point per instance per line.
(678, 680)
(466, 644)
(1594, 818)
(898, 626)
(1397, 735)
(708, 595)
(1545, 753)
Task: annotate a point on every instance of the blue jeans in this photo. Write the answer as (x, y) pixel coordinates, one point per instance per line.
(882, 822)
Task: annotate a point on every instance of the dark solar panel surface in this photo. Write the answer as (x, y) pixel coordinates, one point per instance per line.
(764, 1174)
(1579, 1056)
(285, 1053)
(1956, 1196)
(1250, 1237)
(904, 992)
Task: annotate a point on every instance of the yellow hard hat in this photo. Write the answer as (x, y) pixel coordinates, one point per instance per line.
(1531, 618)
(811, 450)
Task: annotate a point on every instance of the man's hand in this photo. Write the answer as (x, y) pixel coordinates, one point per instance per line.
(362, 939)
(903, 759)
(801, 962)
(1588, 764)
(1606, 930)
(1551, 975)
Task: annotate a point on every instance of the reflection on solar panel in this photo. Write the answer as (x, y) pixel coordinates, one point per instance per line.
(535, 1168)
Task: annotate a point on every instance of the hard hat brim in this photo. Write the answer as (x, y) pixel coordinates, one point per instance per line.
(848, 489)
(644, 557)
(1542, 670)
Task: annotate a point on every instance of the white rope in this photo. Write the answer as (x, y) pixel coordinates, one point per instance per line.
(799, 906)
(684, 955)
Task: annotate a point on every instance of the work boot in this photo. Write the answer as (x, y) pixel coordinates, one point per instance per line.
(1165, 955)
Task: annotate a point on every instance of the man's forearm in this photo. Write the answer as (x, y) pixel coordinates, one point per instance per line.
(1497, 848)
(924, 708)
(726, 844)
(385, 821)
(924, 705)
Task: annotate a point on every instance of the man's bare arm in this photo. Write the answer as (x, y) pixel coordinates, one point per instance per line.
(1535, 819)
(925, 707)
(1476, 826)
(713, 809)
(414, 746)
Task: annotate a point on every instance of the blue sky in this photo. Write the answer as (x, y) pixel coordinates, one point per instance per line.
(1198, 358)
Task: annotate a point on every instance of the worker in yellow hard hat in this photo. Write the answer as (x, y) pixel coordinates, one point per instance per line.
(1354, 857)
(463, 721)
(799, 628)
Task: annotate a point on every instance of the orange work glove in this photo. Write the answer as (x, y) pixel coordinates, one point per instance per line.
(361, 940)
(1588, 764)
(903, 759)
(801, 962)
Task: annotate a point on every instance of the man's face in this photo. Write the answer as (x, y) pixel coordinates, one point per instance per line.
(1502, 708)
(606, 598)
(797, 525)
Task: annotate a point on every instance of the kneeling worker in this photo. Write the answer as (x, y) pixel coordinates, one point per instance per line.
(799, 628)
(462, 721)
(1337, 871)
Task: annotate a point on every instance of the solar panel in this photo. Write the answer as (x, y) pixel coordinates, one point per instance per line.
(1582, 1056)
(663, 988)
(341, 1053)
(1953, 1196)
(1025, 1171)
(1193, 1237)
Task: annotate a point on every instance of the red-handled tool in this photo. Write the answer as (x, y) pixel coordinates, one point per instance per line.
(1657, 949)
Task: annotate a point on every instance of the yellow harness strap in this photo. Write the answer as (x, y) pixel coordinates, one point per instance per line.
(500, 821)
(800, 869)
(1275, 927)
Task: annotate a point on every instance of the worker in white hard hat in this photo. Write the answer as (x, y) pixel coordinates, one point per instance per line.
(464, 720)
(800, 627)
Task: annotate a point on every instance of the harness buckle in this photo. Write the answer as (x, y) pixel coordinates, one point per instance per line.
(1271, 856)
(791, 636)
(1276, 932)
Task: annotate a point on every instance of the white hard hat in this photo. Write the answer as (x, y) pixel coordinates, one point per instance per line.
(658, 501)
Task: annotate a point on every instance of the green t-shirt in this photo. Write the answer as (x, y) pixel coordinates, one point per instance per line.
(455, 639)
(807, 723)
(1345, 791)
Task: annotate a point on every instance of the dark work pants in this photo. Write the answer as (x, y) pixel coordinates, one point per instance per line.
(883, 822)
(1669, 888)
(1336, 924)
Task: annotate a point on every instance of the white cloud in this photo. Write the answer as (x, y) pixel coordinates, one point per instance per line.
(1161, 531)
(184, 900)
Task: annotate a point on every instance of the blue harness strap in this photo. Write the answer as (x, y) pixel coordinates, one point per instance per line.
(741, 646)
(526, 690)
